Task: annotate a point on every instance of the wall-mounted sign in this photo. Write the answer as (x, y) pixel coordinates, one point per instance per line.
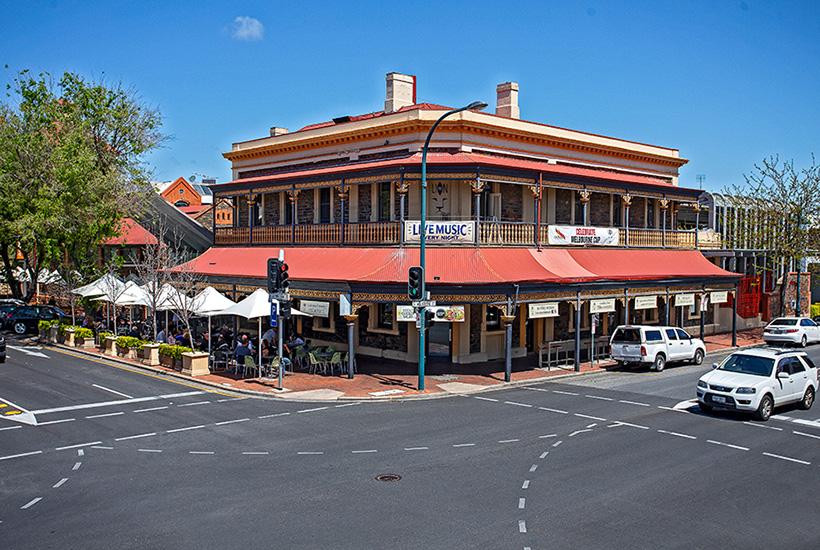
(440, 232)
(719, 296)
(602, 306)
(450, 314)
(579, 235)
(317, 309)
(684, 300)
(545, 309)
(645, 302)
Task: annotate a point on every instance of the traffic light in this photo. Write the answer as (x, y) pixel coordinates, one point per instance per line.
(284, 309)
(284, 278)
(415, 281)
(429, 317)
(274, 270)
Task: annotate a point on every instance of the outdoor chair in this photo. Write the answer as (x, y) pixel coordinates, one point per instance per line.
(336, 362)
(346, 362)
(316, 364)
(250, 365)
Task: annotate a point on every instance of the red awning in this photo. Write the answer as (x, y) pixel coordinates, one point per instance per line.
(461, 265)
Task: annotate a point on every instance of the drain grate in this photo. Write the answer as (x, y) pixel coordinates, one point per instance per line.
(388, 477)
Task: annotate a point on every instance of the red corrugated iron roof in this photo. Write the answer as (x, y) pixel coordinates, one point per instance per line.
(461, 265)
(131, 234)
(472, 159)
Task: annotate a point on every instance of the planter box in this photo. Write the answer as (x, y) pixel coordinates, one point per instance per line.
(43, 335)
(150, 354)
(110, 346)
(195, 364)
(166, 361)
(68, 337)
(52, 334)
(84, 343)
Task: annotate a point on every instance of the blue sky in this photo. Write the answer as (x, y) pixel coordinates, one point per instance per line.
(728, 83)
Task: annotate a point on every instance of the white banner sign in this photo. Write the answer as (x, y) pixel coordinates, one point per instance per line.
(684, 300)
(645, 302)
(450, 314)
(542, 310)
(440, 232)
(578, 235)
(317, 309)
(719, 297)
(602, 306)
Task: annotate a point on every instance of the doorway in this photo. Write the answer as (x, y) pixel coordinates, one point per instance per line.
(439, 342)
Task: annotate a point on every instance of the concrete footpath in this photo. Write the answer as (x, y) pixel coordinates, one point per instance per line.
(377, 378)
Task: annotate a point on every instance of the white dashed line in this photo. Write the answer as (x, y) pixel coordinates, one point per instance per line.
(224, 422)
(56, 421)
(807, 435)
(10, 428)
(256, 453)
(200, 452)
(788, 458)
(756, 425)
(151, 409)
(557, 443)
(618, 423)
(638, 403)
(273, 415)
(487, 399)
(135, 436)
(194, 404)
(78, 446)
(417, 448)
(509, 440)
(102, 447)
(517, 404)
(576, 432)
(310, 453)
(553, 410)
(526, 484)
(544, 454)
(367, 451)
(32, 503)
(76, 466)
(150, 450)
(113, 391)
(522, 526)
(676, 434)
(59, 483)
(312, 410)
(579, 415)
(184, 429)
(533, 467)
(564, 392)
(521, 503)
(547, 436)
(738, 447)
(346, 405)
(464, 445)
(599, 397)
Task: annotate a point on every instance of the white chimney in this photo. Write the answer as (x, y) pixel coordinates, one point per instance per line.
(401, 91)
(277, 131)
(507, 100)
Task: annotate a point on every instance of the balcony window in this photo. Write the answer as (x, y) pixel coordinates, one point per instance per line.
(579, 210)
(650, 213)
(385, 201)
(288, 209)
(492, 319)
(617, 218)
(324, 205)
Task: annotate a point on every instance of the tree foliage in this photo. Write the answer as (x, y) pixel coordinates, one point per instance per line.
(71, 166)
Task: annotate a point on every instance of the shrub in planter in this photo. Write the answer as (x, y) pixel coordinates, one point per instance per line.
(172, 355)
(83, 337)
(128, 346)
(102, 336)
(43, 325)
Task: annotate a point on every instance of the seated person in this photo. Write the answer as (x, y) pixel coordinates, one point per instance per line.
(295, 340)
(134, 332)
(242, 351)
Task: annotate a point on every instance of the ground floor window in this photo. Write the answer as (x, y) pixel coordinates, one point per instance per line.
(383, 319)
(326, 324)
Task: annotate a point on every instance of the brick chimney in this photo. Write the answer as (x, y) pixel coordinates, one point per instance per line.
(401, 91)
(507, 100)
(277, 131)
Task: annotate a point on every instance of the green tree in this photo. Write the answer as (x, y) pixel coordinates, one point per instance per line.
(71, 166)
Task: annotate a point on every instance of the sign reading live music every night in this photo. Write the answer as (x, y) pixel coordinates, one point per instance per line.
(440, 232)
(579, 235)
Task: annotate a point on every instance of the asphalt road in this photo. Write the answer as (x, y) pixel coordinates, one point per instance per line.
(123, 459)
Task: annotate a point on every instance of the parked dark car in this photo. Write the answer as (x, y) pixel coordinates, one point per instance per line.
(24, 319)
(11, 302)
(2, 349)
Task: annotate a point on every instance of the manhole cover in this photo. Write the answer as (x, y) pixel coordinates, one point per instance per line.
(388, 477)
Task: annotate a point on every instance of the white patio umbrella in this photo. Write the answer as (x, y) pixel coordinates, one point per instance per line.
(208, 303)
(100, 286)
(255, 306)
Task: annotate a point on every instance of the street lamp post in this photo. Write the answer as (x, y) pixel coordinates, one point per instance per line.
(474, 106)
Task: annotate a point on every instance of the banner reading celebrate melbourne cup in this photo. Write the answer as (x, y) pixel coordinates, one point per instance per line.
(578, 235)
(440, 232)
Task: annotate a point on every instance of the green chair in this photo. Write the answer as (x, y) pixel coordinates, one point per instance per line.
(250, 365)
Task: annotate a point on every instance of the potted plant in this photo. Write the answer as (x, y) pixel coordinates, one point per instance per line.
(171, 356)
(127, 346)
(44, 327)
(84, 338)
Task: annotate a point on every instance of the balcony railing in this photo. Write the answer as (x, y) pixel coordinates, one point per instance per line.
(492, 233)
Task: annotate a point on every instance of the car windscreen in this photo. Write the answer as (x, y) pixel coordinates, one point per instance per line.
(627, 336)
(748, 364)
(783, 322)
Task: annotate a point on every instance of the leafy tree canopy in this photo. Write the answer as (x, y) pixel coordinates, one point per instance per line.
(71, 166)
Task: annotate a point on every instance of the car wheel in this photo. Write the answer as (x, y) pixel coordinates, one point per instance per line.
(660, 363)
(19, 327)
(808, 399)
(704, 407)
(698, 358)
(803, 341)
(764, 410)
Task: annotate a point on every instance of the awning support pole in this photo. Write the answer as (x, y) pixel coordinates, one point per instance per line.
(578, 331)
(734, 319)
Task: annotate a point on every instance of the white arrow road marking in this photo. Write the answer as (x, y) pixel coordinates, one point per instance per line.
(13, 412)
(29, 351)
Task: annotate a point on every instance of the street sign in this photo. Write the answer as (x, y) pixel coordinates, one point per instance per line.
(273, 308)
(424, 303)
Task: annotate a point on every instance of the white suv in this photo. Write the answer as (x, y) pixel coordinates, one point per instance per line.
(757, 380)
(654, 346)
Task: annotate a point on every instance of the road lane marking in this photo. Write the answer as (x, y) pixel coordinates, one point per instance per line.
(200, 452)
(10, 428)
(557, 443)
(517, 404)
(464, 445)
(256, 453)
(533, 467)
(676, 434)
(599, 397)
(367, 451)
(273, 415)
(136, 436)
(115, 392)
(738, 447)
(20, 455)
(77, 446)
(638, 403)
(553, 410)
(618, 423)
(781, 457)
(185, 429)
(149, 410)
(231, 421)
(576, 432)
(104, 415)
(547, 436)
(544, 454)
(526, 484)
(117, 402)
(579, 415)
(194, 404)
(310, 453)
(486, 399)
(150, 450)
(521, 503)
(312, 410)
(564, 392)
(806, 435)
(509, 440)
(775, 428)
(59, 483)
(56, 421)
(417, 448)
(76, 466)
(522, 526)
(32, 503)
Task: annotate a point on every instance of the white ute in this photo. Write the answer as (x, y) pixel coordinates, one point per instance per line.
(655, 346)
